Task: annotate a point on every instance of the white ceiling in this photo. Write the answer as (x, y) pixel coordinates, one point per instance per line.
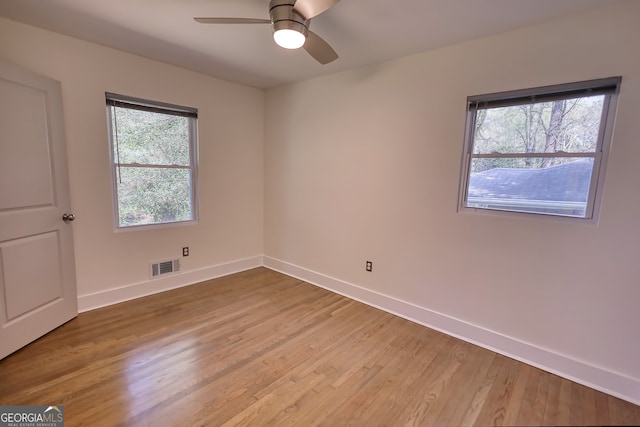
(361, 31)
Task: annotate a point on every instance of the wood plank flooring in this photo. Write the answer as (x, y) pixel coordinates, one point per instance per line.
(259, 348)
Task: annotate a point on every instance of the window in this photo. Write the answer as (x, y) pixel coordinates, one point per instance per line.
(153, 152)
(539, 151)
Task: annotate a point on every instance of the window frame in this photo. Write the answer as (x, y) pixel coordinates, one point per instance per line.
(116, 100)
(609, 87)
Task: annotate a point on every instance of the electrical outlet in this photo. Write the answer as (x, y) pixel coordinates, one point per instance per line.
(185, 251)
(369, 266)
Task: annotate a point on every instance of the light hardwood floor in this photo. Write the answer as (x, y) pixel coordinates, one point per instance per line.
(260, 348)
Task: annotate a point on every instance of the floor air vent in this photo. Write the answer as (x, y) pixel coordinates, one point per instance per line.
(160, 268)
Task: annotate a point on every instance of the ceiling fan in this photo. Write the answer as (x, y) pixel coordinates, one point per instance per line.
(290, 21)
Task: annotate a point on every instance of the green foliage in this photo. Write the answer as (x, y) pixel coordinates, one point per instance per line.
(154, 176)
(151, 138)
(533, 128)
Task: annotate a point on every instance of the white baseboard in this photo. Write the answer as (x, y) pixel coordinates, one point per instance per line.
(174, 281)
(601, 379)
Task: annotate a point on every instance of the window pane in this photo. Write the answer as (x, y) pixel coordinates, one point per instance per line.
(561, 187)
(150, 138)
(569, 125)
(153, 195)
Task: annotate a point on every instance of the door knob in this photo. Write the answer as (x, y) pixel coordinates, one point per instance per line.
(68, 217)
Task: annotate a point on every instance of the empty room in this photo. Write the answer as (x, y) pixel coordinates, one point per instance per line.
(319, 212)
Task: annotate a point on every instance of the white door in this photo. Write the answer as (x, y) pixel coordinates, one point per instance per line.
(37, 271)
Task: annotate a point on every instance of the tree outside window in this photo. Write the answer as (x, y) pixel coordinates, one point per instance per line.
(153, 147)
(539, 150)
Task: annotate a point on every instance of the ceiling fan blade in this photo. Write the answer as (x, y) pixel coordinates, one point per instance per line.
(311, 8)
(319, 49)
(231, 21)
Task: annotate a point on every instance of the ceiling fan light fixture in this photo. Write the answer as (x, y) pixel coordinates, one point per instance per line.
(290, 26)
(289, 39)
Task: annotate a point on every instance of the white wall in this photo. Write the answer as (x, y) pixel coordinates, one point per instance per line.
(364, 165)
(114, 266)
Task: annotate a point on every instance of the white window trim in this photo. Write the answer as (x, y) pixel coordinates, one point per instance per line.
(161, 107)
(600, 156)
